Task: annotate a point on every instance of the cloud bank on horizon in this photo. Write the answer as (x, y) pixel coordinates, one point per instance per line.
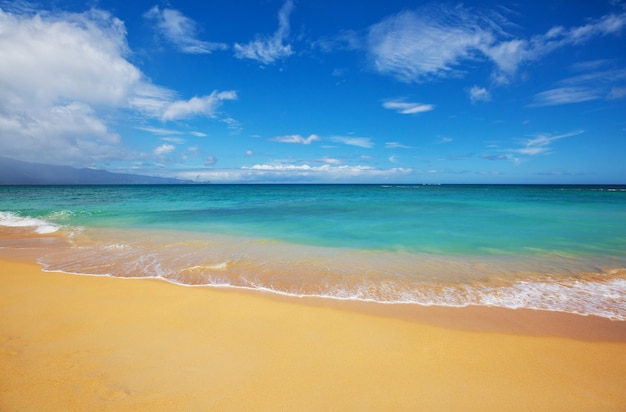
(276, 92)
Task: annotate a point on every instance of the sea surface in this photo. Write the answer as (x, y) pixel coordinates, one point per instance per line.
(557, 248)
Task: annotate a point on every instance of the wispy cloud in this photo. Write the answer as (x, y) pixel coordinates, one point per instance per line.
(296, 138)
(565, 95)
(396, 145)
(434, 41)
(403, 107)
(330, 160)
(479, 94)
(365, 142)
(181, 31)
(345, 40)
(428, 43)
(541, 143)
(510, 54)
(159, 131)
(268, 49)
(593, 85)
(616, 93)
(176, 140)
(210, 161)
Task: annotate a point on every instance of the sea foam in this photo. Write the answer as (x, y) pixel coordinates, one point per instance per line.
(37, 225)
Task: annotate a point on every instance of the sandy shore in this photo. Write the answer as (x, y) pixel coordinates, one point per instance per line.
(83, 343)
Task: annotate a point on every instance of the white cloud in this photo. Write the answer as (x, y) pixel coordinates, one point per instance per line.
(616, 93)
(296, 138)
(290, 173)
(210, 161)
(365, 142)
(163, 149)
(565, 95)
(345, 40)
(407, 107)
(205, 105)
(479, 94)
(180, 31)
(433, 41)
(268, 49)
(177, 140)
(62, 75)
(330, 160)
(509, 55)
(594, 85)
(396, 145)
(430, 43)
(55, 71)
(541, 143)
(159, 131)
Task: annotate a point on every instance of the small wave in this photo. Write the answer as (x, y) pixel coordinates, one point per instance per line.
(39, 226)
(61, 215)
(199, 268)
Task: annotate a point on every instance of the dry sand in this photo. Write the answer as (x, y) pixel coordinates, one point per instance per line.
(81, 343)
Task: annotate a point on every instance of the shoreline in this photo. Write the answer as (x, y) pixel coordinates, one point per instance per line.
(72, 342)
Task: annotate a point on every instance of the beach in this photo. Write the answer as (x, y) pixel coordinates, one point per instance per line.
(70, 342)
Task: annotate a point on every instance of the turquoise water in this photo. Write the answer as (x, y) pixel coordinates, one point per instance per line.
(544, 247)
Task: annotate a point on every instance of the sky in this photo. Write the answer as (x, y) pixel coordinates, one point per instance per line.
(318, 91)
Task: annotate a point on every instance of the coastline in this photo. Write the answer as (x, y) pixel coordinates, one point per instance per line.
(72, 342)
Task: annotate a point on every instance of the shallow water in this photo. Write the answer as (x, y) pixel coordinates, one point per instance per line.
(544, 247)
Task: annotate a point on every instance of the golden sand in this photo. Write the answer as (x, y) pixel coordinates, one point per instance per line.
(83, 343)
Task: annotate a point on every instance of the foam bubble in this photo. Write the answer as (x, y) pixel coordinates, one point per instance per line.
(39, 226)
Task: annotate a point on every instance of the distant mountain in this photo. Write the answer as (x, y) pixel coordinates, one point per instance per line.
(15, 172)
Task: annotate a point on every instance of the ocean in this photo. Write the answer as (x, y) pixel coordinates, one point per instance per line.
(555, 248)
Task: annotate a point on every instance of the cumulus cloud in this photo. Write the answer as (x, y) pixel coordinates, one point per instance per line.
(268, 49)
(479, 94)
(55, 71)
(163, 149)
(296, 138)
(180, 31)
(62, 74)
(205, 106)
(407, 107)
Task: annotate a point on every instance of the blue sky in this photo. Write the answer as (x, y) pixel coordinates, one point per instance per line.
(319, 91)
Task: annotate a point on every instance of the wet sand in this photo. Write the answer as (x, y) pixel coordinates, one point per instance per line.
(71, 342)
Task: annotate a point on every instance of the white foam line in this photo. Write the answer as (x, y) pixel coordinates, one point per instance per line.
(483, 298)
